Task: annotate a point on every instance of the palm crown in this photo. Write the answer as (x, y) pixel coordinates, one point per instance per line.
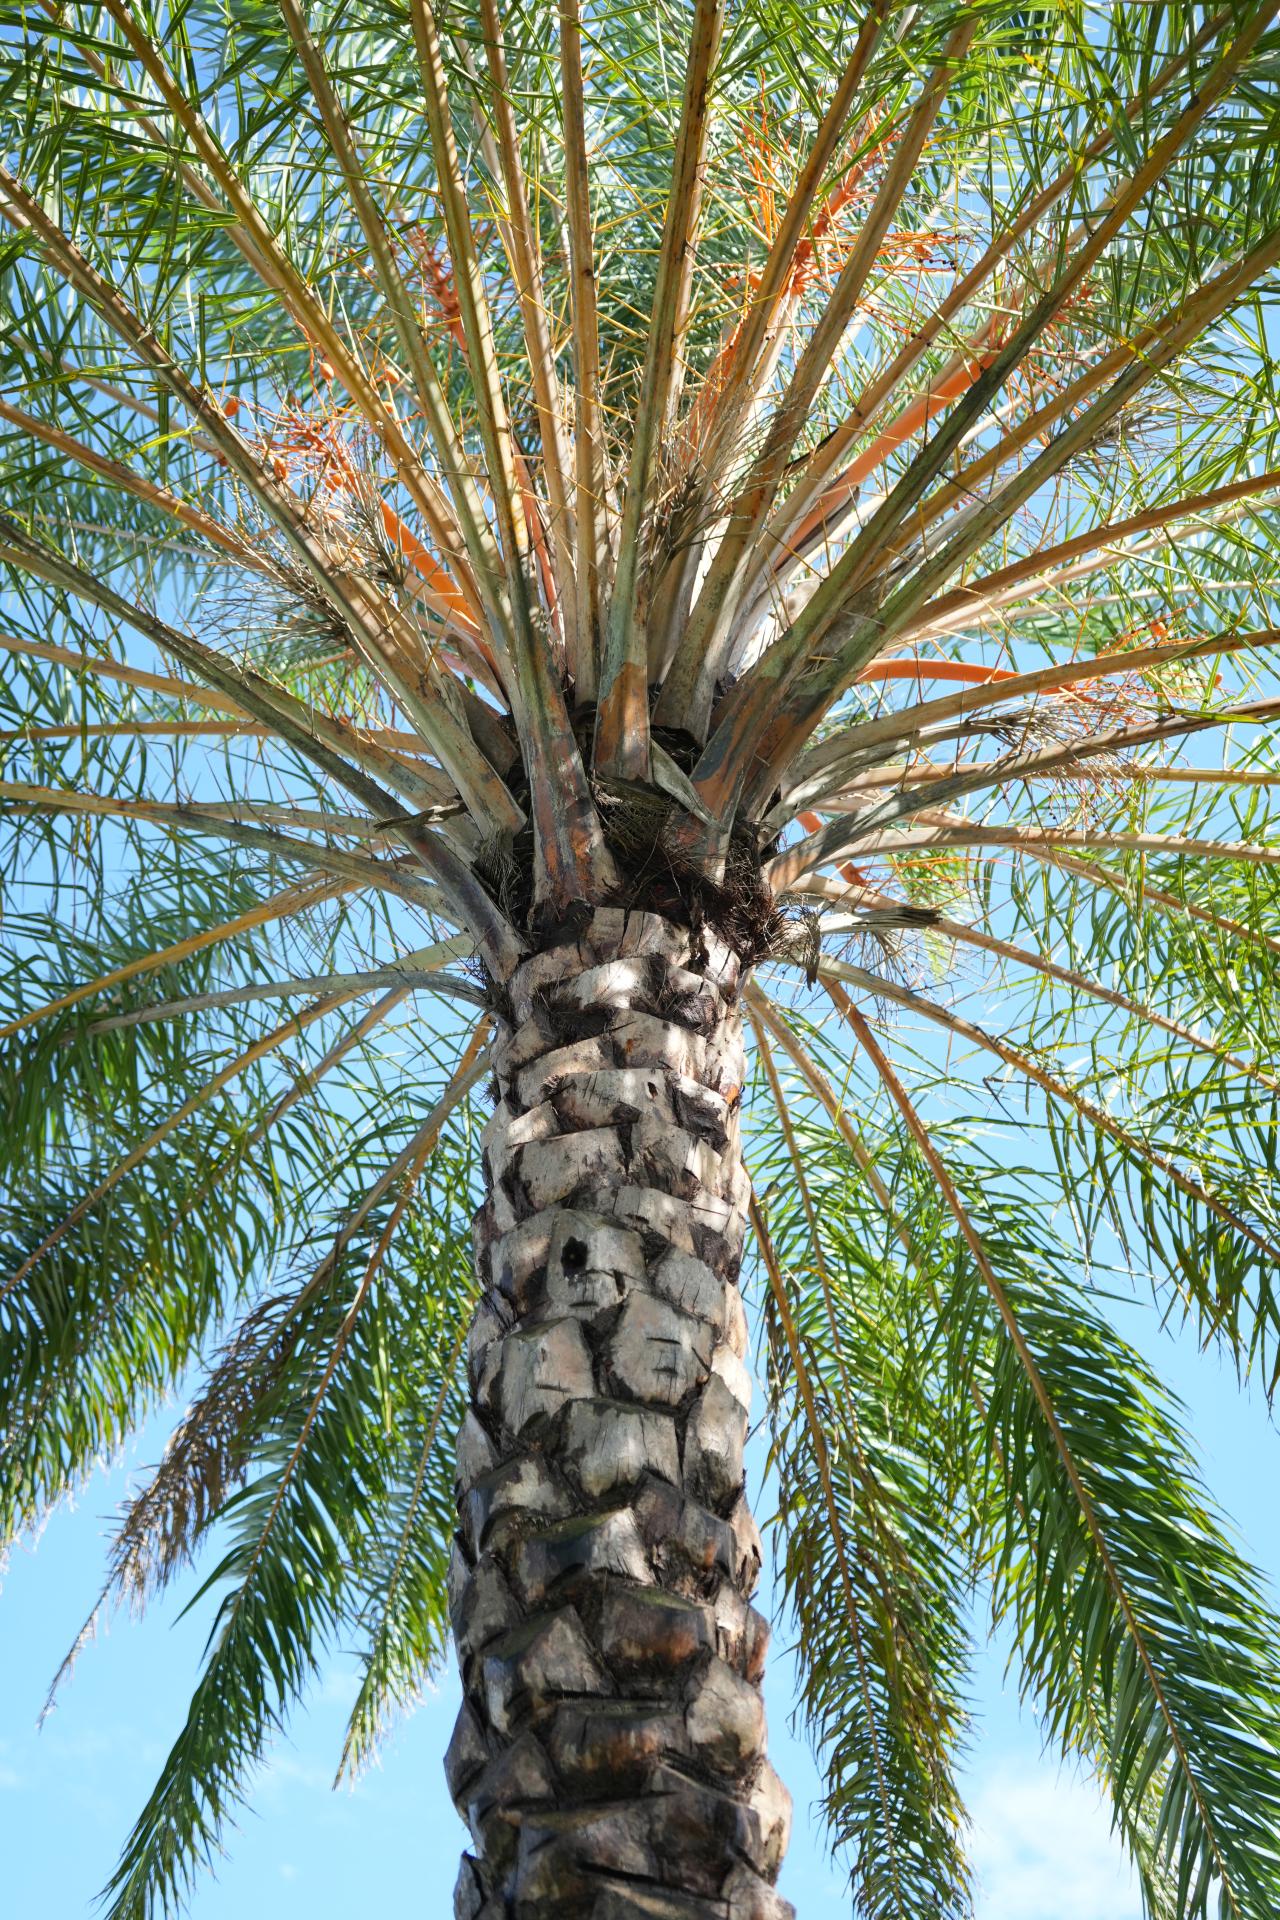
(805, 473)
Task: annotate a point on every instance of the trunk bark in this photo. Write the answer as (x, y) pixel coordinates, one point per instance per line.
(609, 1755)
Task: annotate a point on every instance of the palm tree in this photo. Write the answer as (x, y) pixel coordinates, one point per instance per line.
(545, 547)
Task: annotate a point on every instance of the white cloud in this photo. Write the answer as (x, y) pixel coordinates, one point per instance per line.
(338, 1688)
(285, 1769)
(1044, 1850)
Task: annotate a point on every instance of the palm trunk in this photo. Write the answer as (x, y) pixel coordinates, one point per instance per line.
(609, 1756)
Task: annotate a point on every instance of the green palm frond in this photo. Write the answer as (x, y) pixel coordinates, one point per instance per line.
(321, 1408)
(1061, 1482)
(1154, 1619)
(874, 1587)
(813, 469)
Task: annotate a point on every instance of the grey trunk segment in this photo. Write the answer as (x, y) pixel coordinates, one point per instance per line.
(609, 1756)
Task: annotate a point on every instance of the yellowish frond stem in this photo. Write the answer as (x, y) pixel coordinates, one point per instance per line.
(280, 906)
(622, 718)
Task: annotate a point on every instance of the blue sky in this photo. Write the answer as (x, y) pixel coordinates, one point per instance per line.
(67, 1793)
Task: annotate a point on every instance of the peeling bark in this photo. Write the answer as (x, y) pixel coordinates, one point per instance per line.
(609, 1757)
